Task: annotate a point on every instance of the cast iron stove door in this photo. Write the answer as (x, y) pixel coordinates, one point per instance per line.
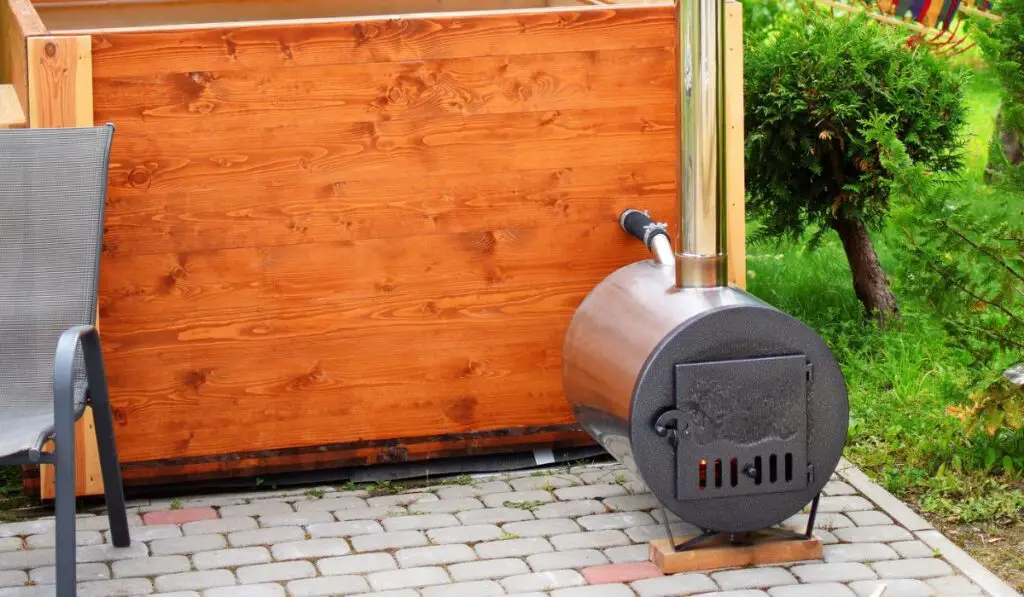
(741, 427)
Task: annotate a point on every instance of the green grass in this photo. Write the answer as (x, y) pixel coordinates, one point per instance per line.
(901, 379)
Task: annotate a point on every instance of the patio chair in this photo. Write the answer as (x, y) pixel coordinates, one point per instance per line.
(52, 192)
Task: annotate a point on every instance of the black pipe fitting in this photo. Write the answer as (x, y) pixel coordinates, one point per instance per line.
(639, 225)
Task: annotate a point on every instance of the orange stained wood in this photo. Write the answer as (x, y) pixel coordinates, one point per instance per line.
(358, 241)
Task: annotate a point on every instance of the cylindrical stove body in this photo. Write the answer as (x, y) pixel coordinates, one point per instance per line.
(732, 412)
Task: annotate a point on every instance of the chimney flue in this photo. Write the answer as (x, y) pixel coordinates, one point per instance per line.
(700, 58)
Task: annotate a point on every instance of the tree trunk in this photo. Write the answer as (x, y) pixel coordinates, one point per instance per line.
(869, 281)
(1009, 143)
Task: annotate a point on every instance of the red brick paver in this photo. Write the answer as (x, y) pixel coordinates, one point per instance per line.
(614, 573)
(179, 516)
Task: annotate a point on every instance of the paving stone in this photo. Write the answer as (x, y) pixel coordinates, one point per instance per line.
(589, 539)
(488, 569)
(494, 516)
(310, 549)
(467, 534)
(615, 520)
(31, 591)
(829, 521)
(893, 588)
(409, 578)
(115, 588)
(178, 594)
(13, 578)
(49, 540)
(543, 581)
(327, 586)
(265, 536)
(231, 558)
(875, 534)
(825, 537)
(405, 499)
(477, 588)
(826, 573)
(280, 571)
(150, 566)
(579, 558)
(830, 589)
(671, 586)
(108, 553)
(844, 503)
(264, 590)
(838, 488)
(617, 590)
(913, 568)
(869, 518)
(222, 525)
(369, 513)
(382, 541)
(296, 519)
(631, 553)
(265, 508)
(348, 528)
(102, 523)
(187, 545)
(753, 578)
(620, 573)
(180, 516)
(542, 528)
(570, 509)
(632, 503)
(545, 482)
(150, 533)
(398, 593)
(84, 572)
(11, 544)
(434, 555)
(859, 552)
(24, 560)
(590, 492)
(447, 506)
(194, 581)
(498, 500)
(331, 504)
(419, 522)
(954, 585)
(912, 549)
(657, 531)
(26, 527)
(357, 564)
(513, 548)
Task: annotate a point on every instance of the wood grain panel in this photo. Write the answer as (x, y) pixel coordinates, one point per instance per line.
(60, 95)
(356, 241)
(312, 43)
(178, 102)
(18, 21)
(63, 15)
(736, 233)
(12, 115)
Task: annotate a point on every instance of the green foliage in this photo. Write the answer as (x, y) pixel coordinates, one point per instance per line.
(1002, 44)
(761, 16)
(808, 89)
(969, 265)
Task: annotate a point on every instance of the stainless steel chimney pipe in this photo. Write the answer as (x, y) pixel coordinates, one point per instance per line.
(700, 59)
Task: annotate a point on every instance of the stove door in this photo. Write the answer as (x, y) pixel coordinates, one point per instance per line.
(741, 427)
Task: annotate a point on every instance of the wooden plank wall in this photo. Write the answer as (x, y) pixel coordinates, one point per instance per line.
(357, 242)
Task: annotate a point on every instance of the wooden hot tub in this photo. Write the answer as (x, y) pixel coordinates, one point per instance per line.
(352, 232)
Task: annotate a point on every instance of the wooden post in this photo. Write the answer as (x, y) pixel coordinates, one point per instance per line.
(60, 95)
(736, 233)
(11, 113)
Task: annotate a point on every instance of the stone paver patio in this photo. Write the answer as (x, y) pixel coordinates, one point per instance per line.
(558, 532)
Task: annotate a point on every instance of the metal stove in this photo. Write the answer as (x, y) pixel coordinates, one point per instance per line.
(733, 413)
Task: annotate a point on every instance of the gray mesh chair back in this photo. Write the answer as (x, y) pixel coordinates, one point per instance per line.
(52, 193)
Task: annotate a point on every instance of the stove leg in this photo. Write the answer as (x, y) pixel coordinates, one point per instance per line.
(814, 514)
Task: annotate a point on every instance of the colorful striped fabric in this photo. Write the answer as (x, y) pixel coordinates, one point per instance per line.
(931, 13)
